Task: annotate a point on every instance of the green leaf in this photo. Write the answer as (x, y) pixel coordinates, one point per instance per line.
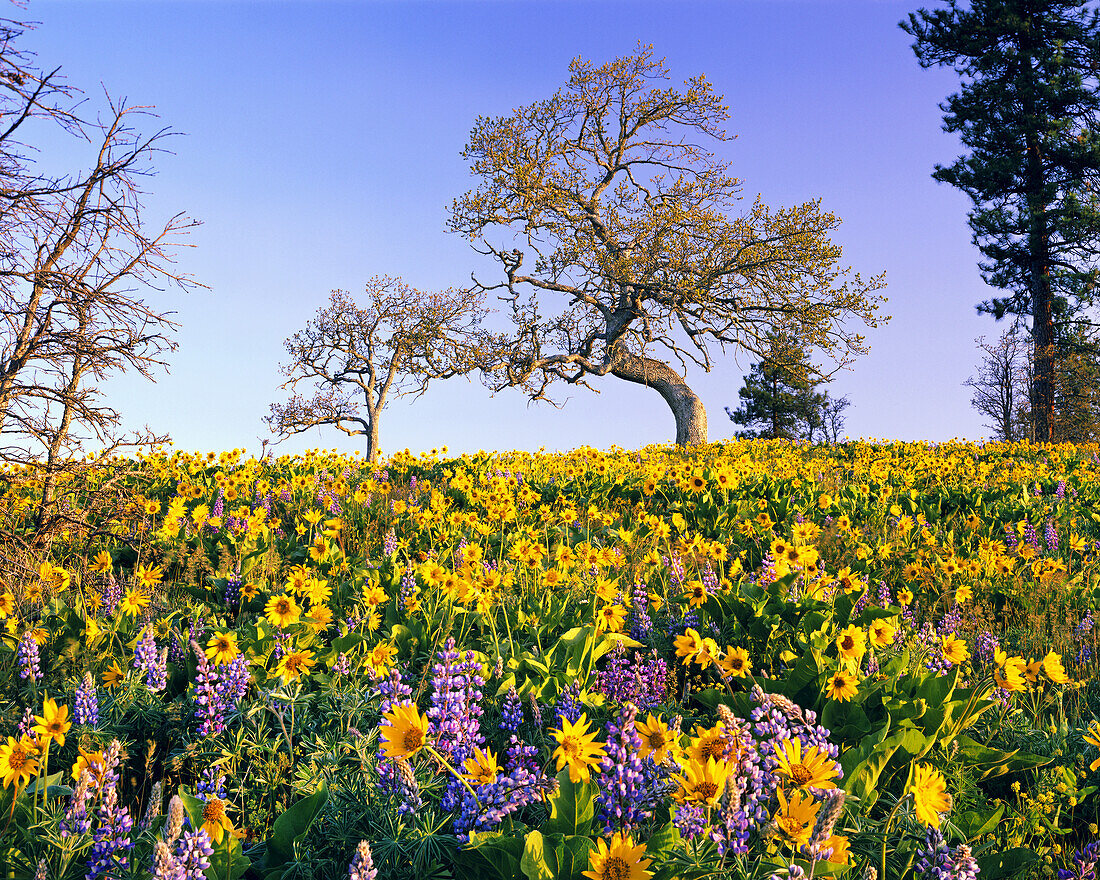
(572, 807)
(501, 853)
(985, 763)
(539, 861)
(1006, 863)
(292, 826)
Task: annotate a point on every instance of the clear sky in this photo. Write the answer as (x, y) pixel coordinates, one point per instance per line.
(322, 146)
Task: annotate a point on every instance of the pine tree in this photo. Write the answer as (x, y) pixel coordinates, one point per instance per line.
(1029, 113)
(778, 399)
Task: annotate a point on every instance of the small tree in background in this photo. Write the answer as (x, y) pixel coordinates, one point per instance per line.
(1000, 388)
(780, 399)
(356, 358)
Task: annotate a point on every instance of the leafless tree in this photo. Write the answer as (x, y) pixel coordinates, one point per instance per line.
(1000, 389)
(355, 359)
(621, 248)
(77, 261)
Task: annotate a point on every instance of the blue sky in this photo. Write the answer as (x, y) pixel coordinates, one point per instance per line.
(322, 146)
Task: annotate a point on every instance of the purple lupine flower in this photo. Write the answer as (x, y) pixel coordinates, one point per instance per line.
(1085, 863)
(76, 819)
(500, 799)
(623, 803)
(986, 645)
(362, 863)
(389, 543)
(691, 820)
(1061, 490)
(511, 712)
(937, 861)
(342, 666)
(110, 595)
(1050, 536)
(455, 714)
(29, 662)
(209, 712)
(152, 662)
(1030, 535)
(111, 839)
(25, 723)
(86, 704)
(232, 595)
(211, 785)
(393, 691)
(641, 625)
(193, 852)
(569, 705)
(1010, 537)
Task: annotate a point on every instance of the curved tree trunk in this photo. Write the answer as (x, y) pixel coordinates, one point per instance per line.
(691, 415)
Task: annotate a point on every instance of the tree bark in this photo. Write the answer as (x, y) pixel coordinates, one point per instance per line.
(688, 409)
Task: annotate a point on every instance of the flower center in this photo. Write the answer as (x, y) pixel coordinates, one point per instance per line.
(571, 746)
(616, 868)
(656, 740)
(713, 749)
(707, 789)
(801, 774)
(214, 811)
(848, 643)
(414, 739)
(18, 758)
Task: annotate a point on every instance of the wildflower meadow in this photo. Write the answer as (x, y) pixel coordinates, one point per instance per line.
(747, 660)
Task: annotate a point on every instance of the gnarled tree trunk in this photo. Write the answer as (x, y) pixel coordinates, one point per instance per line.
(691, 415)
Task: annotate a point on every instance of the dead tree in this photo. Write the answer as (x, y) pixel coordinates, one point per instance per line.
(77, 264)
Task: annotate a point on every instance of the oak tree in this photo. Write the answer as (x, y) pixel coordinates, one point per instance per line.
(622, 249)
(354, 358)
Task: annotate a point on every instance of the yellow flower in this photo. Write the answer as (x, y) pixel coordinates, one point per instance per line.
(795, 817)
(102, 562)
(148, 576)
(7, 604)
(930, 797)
(222, 648)
(851, 643)
(811, 768)
(18, 761)
(610, 618)
(482, 768)
(577, 748)
(955, 650)
(963, 595)
(1052, 666)
(1093, 738)
(905, 597)
(657, 739)
(53, 723)
(295, 664)
(214, 821)
(882, 633)
(619, 860)
(694, 648)
(90, 761)
(735, 662)
(841, 686)
(404, 731)
(113, 675)
(1009, 672)
(709, 742)
(134, 602)
(702, 782)
(282, 611)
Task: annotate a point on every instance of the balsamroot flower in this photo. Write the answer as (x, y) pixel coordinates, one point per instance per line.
(930, 797)
(404, 731)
